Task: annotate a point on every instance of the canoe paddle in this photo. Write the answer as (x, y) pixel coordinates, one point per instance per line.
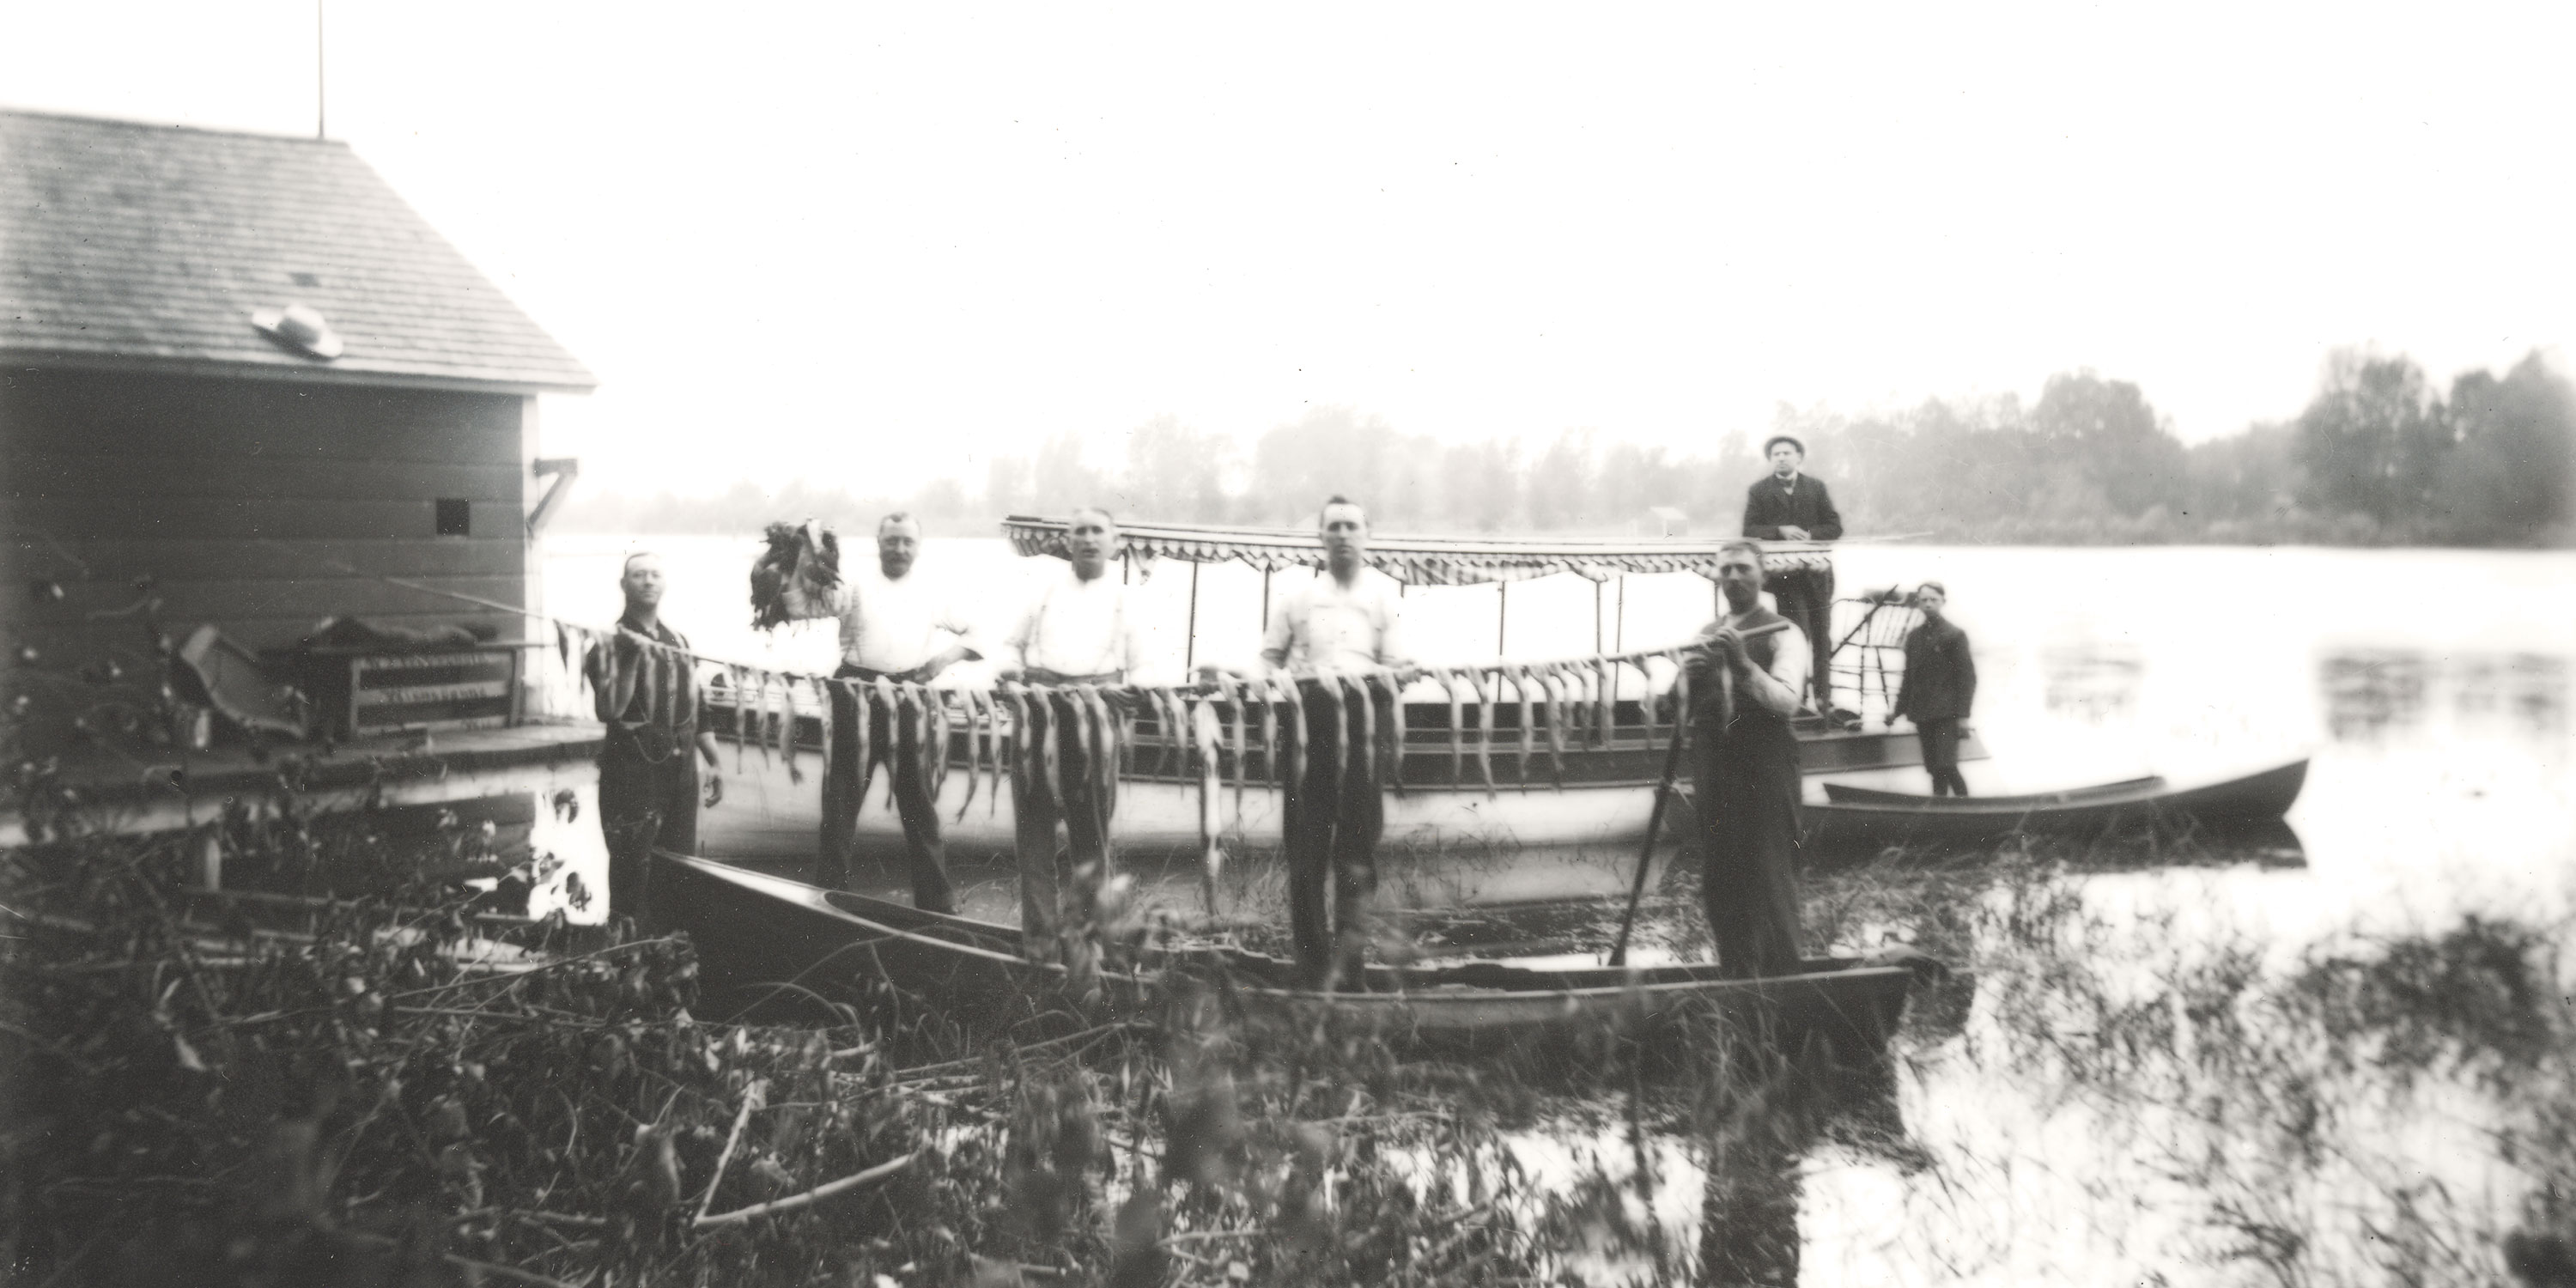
(1655, 817)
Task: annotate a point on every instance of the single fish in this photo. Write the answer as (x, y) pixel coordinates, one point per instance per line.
(1457, 728)
(1552, 682)
(1100, 743)
(1016, 698)
(1681, 695)
(1332, 687)
(741, 712)
(1485, 726)
(1363, 691)
(1211, 859)
(1050, 746)
(1299, 735)
(859, 735)
(1270, 748)
(974, 761)
(1529, 721)
(887, 701)
(1395, 733)
(1605, 694)
(823, 718)
(1174, 715)
(1240, 694)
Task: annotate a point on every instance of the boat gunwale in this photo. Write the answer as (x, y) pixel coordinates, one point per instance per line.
(819, 899)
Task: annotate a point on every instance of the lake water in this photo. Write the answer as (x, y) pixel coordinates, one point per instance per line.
(2034, 1136)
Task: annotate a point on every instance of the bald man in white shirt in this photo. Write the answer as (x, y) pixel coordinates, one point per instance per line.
(1080, 631)
(891, 624)
(1338, 624)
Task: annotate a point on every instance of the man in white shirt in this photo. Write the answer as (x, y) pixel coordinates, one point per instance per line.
(891, 621)
(1080, 631)
(1746, 784)
(1338, 624)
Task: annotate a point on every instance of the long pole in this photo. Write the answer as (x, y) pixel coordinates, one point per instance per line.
(1502, 613)
(1619, 627)
(1596, 617)
(321, 86)
(1190, 650)
(1654, 828)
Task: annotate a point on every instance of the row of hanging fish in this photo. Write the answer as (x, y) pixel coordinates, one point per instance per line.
(1526, 712)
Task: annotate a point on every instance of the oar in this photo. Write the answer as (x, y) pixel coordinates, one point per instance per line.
(1655, 817)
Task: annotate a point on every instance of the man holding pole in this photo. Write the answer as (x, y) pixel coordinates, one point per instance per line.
(890, 625)
(1080, 631)
(1332, 627)
(1745, 679)
(647, 695)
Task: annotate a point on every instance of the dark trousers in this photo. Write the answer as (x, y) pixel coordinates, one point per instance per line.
(845, 786)
(644, 801)
(1807, 598)
(1050, 905)
(1332, 817)
(1940, 739)
(1745, 787)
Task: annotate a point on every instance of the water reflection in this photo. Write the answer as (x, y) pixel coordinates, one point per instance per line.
(2094, 682)
(2373, 694)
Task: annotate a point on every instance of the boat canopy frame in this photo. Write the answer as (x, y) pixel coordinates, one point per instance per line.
(1418, 560)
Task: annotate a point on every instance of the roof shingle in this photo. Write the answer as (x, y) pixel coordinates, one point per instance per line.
(150, 245)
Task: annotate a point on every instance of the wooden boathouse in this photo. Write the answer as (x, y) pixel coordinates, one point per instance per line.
(244, 385)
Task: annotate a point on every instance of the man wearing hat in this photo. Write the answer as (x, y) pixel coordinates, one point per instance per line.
(1786, 505)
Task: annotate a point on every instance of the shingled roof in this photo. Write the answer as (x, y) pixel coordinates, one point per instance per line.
(147, 247)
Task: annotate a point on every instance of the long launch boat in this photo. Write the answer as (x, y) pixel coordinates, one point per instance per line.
(1541, 754)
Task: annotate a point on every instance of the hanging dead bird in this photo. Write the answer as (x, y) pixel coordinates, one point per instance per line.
(809, 546)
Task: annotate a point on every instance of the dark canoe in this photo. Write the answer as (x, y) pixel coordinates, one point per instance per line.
(753, 929)
(1845, 794)
(1887, 818)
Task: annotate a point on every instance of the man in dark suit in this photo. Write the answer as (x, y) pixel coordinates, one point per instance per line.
(1940, 686)
(1786, 505)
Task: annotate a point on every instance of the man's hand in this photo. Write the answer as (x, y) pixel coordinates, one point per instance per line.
(1792, 532)
(941, 661)
(1727, 643)
(715, 791)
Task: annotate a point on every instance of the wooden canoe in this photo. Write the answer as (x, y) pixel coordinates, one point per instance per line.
(753, 929)
(1846, 794)
(1854, 818)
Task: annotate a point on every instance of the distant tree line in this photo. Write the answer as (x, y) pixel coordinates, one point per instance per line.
(2379, 456)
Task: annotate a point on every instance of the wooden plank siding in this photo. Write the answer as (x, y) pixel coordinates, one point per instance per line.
(260, 505)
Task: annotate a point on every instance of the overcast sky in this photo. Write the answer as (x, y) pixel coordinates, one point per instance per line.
(872, 245)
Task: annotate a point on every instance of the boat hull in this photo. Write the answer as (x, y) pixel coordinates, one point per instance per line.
(1884, 819)
(754, 930)
(773, 795)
